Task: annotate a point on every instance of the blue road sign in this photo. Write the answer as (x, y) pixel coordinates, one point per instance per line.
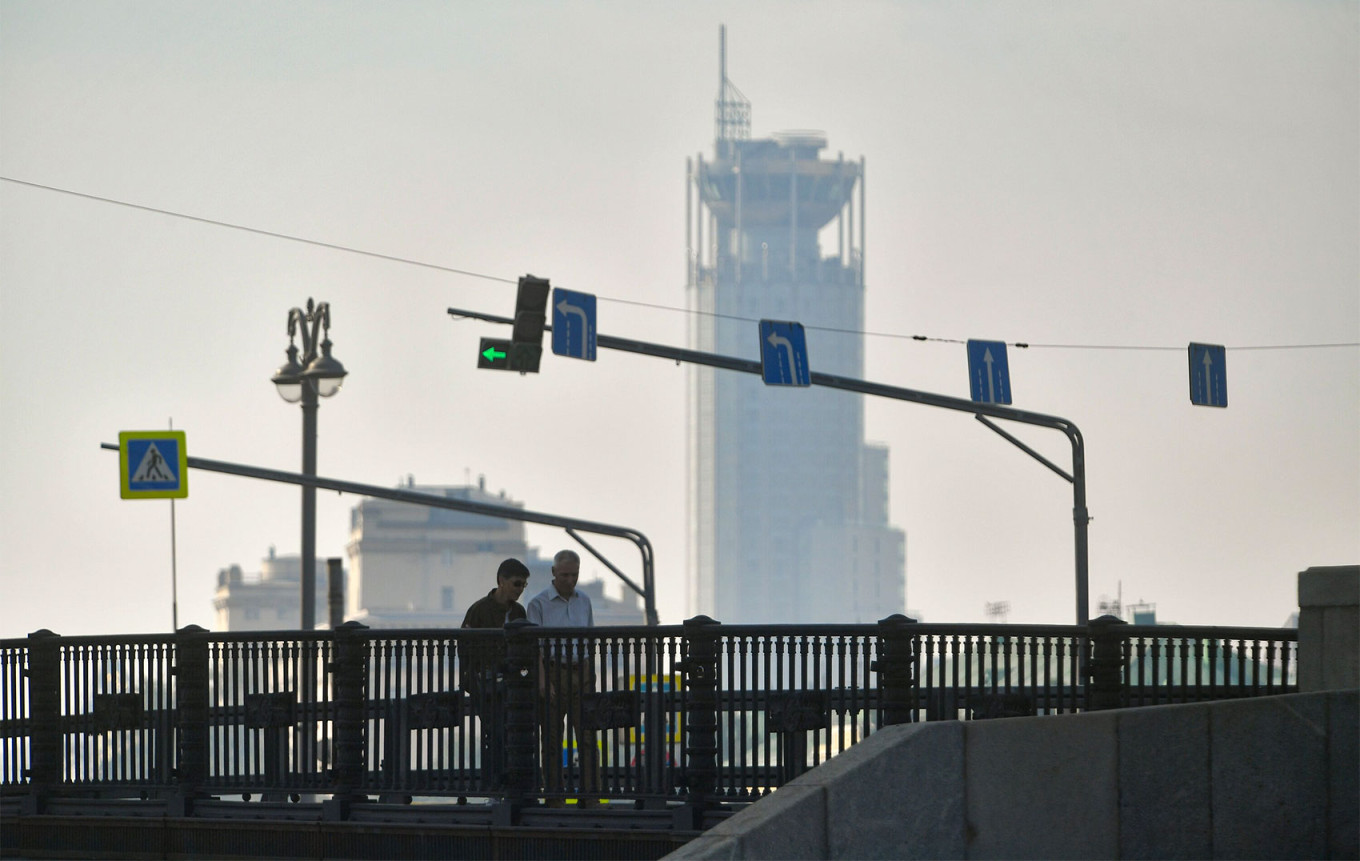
(1208, 375)
(989, 375)
(783, 354)
(573, 324)
(153, 465)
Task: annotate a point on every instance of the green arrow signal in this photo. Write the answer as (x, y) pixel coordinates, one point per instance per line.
(492, 354)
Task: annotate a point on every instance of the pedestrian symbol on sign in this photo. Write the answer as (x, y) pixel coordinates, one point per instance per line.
(152, 465)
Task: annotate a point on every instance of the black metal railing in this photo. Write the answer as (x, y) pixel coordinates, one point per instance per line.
(698, 714)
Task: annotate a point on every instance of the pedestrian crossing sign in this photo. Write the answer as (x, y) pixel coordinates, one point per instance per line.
(153, 464)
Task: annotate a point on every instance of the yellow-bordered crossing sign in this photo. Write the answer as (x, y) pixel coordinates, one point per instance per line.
(153, 464)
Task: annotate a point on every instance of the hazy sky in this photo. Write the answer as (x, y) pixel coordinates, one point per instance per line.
(1094, 174)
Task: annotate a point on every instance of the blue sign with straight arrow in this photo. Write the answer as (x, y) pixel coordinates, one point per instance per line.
(573, 324)
(1208, 375)
(989, 375)
(783, 354)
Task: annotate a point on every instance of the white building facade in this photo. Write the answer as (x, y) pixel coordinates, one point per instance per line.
(268, 599)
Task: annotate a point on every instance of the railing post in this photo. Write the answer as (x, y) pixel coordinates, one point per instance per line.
(1105, 671)
(44, 718)
(191, 718)
(700, 666)
(896, 666)
(349, 671)
(520, 729)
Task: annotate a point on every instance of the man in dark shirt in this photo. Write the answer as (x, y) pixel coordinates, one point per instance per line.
(482, 656)
(502, 603)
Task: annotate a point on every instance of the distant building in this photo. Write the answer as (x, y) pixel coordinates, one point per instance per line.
(1143, 613)
(608, 611)
(409, 567)
(788, 505)
(416, 567)
(267, 600)
(1137, 613)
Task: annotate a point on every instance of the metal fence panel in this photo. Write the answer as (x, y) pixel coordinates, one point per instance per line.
(611, 706)
(117, 712)
(269, 715)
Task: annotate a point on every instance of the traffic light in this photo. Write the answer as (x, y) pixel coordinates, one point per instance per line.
(526, 339)
(494, 353)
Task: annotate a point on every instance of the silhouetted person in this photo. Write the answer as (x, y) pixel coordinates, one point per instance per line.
(482, 659)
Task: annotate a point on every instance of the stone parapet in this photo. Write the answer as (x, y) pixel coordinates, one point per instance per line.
(1329, 628)
(1271, 777)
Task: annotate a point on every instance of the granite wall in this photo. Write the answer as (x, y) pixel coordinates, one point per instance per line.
(1273, 777)
(1329, 628)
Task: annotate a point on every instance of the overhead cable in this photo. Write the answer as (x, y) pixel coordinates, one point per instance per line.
(670, 308)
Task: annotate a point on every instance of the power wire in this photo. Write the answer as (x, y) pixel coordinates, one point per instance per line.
(437, 267)
(259, 232)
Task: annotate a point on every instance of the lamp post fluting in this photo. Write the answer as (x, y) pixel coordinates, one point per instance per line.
(318, 375)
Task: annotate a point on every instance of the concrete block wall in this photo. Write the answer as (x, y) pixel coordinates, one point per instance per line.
(1274, 777)
(1329, 628)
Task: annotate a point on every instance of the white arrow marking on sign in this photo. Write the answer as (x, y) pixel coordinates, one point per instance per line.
(991, 380)
(153, 467)
(1208, 364)
(778, 341)
(567, 308)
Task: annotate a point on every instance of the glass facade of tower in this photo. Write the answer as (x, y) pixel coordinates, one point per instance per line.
(787, 504)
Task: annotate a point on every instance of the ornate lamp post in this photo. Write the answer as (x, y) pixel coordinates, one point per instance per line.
(318, 375)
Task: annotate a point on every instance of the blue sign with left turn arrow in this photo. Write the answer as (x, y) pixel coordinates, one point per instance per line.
(989, 375)
(783, 354)
(573, 324)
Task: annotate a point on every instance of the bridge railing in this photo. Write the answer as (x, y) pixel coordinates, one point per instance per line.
(699, 713)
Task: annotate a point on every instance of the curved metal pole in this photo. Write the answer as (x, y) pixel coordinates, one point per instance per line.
(646, 591)
(1080, 518)
(1080, 515)
(319, 316)
(429, 500)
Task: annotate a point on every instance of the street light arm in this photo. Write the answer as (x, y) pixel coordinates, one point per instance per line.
(297, 318)
(319, 316)
(321, 323)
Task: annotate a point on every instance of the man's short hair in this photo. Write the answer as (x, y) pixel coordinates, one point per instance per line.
(565, 556)
(510, 569)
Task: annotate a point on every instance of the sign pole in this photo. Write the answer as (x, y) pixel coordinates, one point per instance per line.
(152, 465)
(174, 567)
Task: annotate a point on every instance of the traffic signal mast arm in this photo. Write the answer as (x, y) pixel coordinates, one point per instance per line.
(1080, 515)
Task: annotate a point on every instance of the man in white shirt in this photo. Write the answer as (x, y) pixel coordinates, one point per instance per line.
(566, 672)
(560, 605)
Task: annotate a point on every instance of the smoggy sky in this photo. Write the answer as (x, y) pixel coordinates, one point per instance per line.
(1092, 175)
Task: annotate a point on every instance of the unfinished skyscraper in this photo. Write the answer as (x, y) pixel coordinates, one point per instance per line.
(788, 505)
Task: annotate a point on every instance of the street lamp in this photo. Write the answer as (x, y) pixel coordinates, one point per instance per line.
(319, 374)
